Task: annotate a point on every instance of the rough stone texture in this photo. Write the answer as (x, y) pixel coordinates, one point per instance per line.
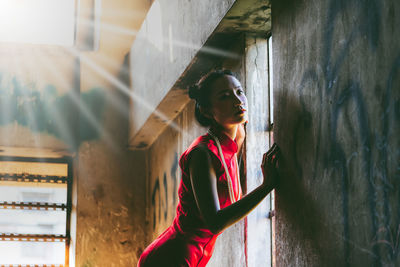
(110, 211)
(336, 87)
(250, 16)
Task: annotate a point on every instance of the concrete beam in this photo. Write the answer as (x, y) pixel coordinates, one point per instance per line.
(159, 78)
(33, 152)
(250, 16)
(171, 35)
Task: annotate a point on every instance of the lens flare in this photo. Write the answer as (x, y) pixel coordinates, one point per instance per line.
(83, 110)
(123, 88)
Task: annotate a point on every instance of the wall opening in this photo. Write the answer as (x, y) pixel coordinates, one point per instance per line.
(35, 211)
(37, 21)
(259, 138)
(271, 214)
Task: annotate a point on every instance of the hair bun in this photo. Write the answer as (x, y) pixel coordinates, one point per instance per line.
(194, 91)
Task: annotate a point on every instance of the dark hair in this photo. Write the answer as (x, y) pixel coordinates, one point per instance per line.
(201, 92)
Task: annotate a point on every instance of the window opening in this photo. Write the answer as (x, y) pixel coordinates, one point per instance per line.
(271, 85)
(37, 21)
(35, 211)
(271, 141)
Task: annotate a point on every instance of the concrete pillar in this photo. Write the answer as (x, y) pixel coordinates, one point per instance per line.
(336, 87)
(257, 143)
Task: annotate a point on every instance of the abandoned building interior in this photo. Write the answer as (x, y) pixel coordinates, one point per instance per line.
(95, 113)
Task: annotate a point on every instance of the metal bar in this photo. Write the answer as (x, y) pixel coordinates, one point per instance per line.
(26, 177)
(69, 209)
(50, 179)
(32, 205)
(33, 178)
(33, 238)
(31, 265)
(33, 159)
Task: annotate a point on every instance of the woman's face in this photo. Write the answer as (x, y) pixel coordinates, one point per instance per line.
(228, 102)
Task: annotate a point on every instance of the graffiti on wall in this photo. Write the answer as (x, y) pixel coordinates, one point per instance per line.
(44, 110)
(344, 109)
(165, 189)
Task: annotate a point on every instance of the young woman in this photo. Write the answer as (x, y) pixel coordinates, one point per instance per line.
(210, 196)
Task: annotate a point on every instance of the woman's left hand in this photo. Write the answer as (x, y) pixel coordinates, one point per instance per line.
(269, 167)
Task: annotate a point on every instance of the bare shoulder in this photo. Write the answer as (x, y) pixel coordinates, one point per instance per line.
(199, 155)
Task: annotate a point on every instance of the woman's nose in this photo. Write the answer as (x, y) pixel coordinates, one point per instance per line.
(237, 100)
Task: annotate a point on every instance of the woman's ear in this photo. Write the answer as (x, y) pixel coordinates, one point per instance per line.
(206, 112)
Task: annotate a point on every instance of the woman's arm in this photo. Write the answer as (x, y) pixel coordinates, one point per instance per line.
(204, 185)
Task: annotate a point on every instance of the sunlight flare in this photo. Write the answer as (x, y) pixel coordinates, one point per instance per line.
(125, 89)
(82, 108)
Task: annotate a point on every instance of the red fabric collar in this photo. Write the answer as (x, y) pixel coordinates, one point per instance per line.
(229, 146)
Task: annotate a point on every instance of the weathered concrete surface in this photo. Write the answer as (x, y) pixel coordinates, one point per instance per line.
(110, 179)
(250, 16)
(164, 174)
(336, 87)
(110, 182)
(29, 92)
(230, 247)
(110, 211)
(257, 143)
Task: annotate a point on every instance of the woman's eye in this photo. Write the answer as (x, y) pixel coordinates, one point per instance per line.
(224, 95)
(240, 92)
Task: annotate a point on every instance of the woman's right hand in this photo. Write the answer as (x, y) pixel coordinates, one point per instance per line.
(269, 167)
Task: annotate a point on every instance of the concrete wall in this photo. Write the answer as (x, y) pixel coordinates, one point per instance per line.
(110, 179)
(109, 192)
(259, 228)
(336, 87)
(34, 85)
(164, 174)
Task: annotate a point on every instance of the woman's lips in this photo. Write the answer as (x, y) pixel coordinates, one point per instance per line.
(241, 111)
